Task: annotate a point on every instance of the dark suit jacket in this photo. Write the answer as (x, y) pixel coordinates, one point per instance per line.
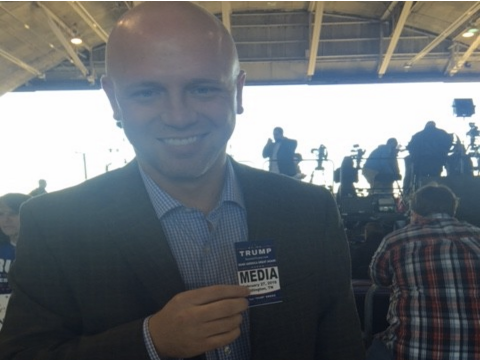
(93, 262)
(428, 151)
(285, 156)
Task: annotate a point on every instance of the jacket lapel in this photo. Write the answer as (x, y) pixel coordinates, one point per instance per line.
(260, 212)
(140, 238)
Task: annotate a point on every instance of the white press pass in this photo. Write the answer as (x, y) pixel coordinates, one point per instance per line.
(258, 270)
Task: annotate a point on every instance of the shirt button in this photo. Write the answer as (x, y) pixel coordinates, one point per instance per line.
(207, 249)
(227, 350)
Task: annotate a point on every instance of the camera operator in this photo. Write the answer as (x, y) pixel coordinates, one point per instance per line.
(381, 168)
(428, 150)
(347, 175)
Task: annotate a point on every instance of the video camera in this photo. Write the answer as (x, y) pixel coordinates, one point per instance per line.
(358, 155)
(473, 130)
(321, 156)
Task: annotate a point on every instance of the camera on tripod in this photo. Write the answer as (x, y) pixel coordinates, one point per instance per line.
(357, 155)
(321, 156)
(473, 130)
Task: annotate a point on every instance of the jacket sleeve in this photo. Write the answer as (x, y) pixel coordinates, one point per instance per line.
(339, 328)
(44, 321)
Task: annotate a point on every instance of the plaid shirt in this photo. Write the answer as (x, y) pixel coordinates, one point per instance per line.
(432, 267)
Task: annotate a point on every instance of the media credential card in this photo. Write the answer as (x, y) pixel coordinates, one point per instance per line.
(258, 270)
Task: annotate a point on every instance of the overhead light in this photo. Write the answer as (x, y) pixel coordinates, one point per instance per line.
(470, 33)
(76, 40)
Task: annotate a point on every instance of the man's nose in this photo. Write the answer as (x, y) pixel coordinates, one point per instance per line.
(177, 111)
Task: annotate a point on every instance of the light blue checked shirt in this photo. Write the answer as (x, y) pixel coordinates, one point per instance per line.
(205, 257)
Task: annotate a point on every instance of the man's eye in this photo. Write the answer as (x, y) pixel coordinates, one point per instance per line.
(205, 90)
(145, 94)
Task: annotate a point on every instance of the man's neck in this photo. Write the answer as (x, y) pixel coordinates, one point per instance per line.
(202, 193)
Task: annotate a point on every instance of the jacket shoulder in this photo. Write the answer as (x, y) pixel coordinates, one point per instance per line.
(100, 189)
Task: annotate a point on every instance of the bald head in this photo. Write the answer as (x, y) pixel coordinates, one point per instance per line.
(170, 24)
(175, 86)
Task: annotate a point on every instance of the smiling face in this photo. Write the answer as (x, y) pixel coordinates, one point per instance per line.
(175, 86)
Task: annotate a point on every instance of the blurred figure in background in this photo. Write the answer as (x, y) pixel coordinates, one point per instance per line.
(281, 153)
(9, 229)
(41, 189)
(346, 175)
(428, 151)
(381, 168)
(432, 268)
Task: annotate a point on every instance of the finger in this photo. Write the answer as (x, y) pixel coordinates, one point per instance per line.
(221, 309)
(223, 325)
(215, 293)
(222, 339)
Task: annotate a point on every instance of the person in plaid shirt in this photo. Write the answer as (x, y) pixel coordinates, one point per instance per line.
(432, 268)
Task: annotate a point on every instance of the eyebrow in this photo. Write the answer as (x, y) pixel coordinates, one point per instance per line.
(144, 84)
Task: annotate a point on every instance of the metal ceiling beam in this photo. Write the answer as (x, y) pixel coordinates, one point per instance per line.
(450, 29)
(397, 32)
(20, 63)
(460, 63)
(312, 6)
(51, 21)
(59, 22)
(388, 10)
(88, 19)
(226, 14)
(316, 35)
(33, 34)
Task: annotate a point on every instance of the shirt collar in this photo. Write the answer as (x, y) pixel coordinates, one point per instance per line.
(163, 202)
(422, 220)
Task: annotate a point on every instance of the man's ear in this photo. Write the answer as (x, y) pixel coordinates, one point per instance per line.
(240, 83)
(109, 90)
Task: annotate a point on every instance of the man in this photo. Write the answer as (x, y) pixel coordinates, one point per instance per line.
(281, 153)
(429, 149)
(39, 190)
(432, 267)
(9, 233)
(381, 168)
(141, 263)
(428, 152)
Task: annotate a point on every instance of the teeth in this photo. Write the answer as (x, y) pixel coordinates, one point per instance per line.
(180, 141)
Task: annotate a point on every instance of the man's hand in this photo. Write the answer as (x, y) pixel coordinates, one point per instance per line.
(200, 320)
